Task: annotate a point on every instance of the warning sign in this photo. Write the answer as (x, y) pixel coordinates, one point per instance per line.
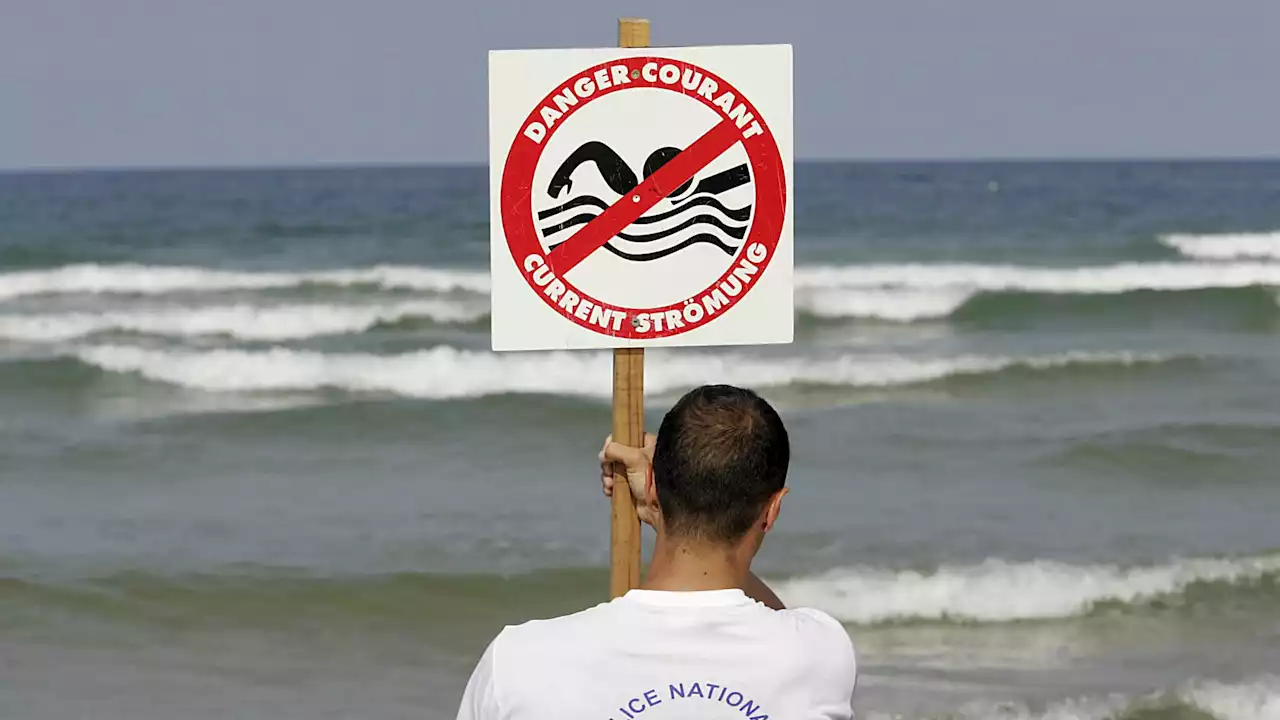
(641, 197)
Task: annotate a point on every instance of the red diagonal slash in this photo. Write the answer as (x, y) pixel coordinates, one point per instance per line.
(661, 183)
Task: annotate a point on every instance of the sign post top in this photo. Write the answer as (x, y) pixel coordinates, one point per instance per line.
(633, 32)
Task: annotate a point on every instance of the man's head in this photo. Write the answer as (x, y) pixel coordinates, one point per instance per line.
(720, 466)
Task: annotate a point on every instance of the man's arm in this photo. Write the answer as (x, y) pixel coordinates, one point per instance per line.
(833, 674)
(755, 589)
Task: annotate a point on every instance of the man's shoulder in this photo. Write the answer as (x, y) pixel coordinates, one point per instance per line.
(818, 629)
(803, 623)
(800, 633)
(821, 646)
(808, 619)
(538, 633)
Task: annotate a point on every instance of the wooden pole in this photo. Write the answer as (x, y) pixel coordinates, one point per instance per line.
(633, 33)
(628, 412)
(628, 428)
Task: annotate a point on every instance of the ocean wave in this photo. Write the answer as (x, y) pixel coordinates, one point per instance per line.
(446, 372)
(1256, 698)
(241, 321)
(1001, 591)
(134, 279)
(1104, 279)
(881, 303)
(934, 287)
(906, 305)
(1226, 246)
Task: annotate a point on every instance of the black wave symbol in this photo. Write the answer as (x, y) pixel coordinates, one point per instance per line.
(583, 219)
(644, 257)
(740, 214)
(615, 171)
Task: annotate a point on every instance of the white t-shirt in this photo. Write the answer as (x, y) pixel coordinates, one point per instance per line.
(653, 655)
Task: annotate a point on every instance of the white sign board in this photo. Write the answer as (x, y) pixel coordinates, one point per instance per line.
(641, 197)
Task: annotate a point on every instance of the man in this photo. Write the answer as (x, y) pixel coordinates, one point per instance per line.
(703, 637)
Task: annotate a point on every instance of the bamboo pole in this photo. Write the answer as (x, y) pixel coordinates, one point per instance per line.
(628, 413)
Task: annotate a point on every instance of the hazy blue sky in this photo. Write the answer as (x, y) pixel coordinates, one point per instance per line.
(236, 82)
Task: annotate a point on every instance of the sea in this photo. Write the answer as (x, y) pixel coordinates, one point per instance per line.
(257, 459)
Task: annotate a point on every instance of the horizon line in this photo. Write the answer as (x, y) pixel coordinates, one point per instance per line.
(427, 164)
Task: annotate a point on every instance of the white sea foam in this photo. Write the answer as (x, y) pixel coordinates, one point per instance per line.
(881, 303)
(446, 372)
(136, 279)
(923, 289)
(1226, 246)
(999, 591)
(241, 321)
(1252, 699)
(1107, 279)
(1085, 708)
(1258, 699)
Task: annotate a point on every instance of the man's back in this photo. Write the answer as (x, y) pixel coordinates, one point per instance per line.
(667, 655)
(705, 638)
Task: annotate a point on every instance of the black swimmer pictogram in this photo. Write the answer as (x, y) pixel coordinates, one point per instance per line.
(694, 201)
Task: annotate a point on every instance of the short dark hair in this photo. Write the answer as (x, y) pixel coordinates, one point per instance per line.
(721, 453)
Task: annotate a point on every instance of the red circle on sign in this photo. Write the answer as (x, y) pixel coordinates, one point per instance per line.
(767, 175)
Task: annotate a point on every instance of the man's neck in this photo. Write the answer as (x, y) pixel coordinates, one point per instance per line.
(686, 566)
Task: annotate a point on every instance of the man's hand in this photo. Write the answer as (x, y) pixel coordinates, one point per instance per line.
(638, 463)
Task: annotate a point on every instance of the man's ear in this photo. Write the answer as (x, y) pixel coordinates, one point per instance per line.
(650, 489)
(774, 508)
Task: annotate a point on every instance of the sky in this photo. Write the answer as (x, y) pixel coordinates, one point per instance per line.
(143, 83)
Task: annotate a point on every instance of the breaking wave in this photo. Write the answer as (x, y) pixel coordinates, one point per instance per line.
(446, 372)
(881, 303)
(1256, 698)
(954, 278)
(897, 293)
(1226, 246)
(1105, 279)
(133, 279)
(1000, 591)
(914, 292)
(1229, 305)
(241, 321)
